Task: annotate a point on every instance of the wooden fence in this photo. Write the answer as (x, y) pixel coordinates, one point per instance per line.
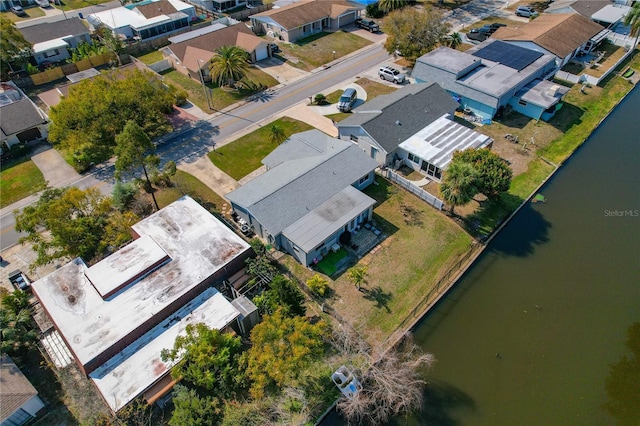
(57, 73)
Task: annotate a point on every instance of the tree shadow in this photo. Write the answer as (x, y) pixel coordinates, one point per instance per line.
(378, 295)
(190, 145)
(527, 230)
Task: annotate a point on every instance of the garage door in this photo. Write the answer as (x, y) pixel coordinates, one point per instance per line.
(261, 53)
(29, 135)
(347, 19)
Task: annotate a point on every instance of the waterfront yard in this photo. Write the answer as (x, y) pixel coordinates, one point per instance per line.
(421, 246)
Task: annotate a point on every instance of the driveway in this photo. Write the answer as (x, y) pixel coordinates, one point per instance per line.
(281, 71)
(56, 171)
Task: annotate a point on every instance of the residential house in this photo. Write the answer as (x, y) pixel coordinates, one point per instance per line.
(493, 75)
(145, 19)
(52, 41)
(305, 18)
(117, 315)
(19, 401)
(411, 126)
(192, 56)
(563, 35)
(219, 6)
(605, 12)
(309, 196)
(21, 120)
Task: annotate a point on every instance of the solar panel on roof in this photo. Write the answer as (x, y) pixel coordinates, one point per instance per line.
(515, 57)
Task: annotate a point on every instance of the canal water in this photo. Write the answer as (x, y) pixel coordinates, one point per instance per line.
(528, 336)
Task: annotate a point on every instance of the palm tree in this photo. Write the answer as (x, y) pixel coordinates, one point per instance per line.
(276, 134)
(633, 19)
(388, 5)
(229, 65)
(454, 40)
(458, 186)
(357, 275)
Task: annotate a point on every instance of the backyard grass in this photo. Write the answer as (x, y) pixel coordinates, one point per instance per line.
(255, 81)
(421, 245)
(244, 155)
(328, 264)
(19, 179)
(186, 184)
(317, 50)
(77, 4)
(151, 57)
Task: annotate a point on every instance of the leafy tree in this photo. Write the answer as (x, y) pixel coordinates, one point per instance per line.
(388, 5)
(164, 177)
(75, 219)
(320, 99)
(111, 42)
(357, 275)
(134, 149)
(373, 11)
(459, 184)
(261, 267)
(277, 134)
(87, 120)
(623, 382)
(318, 285)
(494, 175)
(117, 231)
(194, 410)
(282, 347)
(229, 65)
(85, 50)
(414, 32)
(633, 19)
(13, 46)
(282, 294)
(207, 359)
(123, 194)
(17, 329)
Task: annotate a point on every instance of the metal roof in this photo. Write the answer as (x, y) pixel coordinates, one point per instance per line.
(437, 142)
(330, 216)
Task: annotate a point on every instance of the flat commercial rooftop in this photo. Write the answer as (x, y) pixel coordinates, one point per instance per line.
(139, 366)
(197, 244)
(437, 142)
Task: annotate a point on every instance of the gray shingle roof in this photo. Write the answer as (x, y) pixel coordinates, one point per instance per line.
(286, 193)
(15, 388)
(393, 118)
(53, 30)
(18, 116)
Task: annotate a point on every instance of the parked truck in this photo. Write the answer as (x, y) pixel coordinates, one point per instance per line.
(367, 24)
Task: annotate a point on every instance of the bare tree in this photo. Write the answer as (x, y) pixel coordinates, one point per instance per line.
(392, 381)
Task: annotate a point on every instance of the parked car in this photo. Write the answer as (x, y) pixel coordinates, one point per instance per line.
(18, 10)
(367, 24)
(19, 280)
(391, 74)
(478, 34)
(43, 3)
(347, 100)
(526, 12)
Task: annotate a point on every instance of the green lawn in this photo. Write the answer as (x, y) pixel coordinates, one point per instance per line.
(319, 49)
(255, 80)
(19, 179)
(186, 184)
(31, 12)
(244, 155)
(151, 57)
(374, 89)
(328, 264)
(77, 4)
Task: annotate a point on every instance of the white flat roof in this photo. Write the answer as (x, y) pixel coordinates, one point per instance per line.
(611, 13)
(50, 44)
(199, 245)
(437, 142)
(196, 33)
(125, 265)
(139, 366)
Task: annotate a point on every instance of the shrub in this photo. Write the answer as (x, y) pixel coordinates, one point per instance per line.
(373, 11)
(318, 285)
(320, 99)
(123, 194)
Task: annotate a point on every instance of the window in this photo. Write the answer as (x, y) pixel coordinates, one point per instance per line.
(523, 103)
(414, 158)
(374, 153)
(363, 179)
(354, 138)
(51, 53)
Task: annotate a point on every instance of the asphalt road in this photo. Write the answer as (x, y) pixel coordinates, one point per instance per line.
(191, 145)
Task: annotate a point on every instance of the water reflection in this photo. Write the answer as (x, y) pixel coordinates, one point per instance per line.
(623, 382)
